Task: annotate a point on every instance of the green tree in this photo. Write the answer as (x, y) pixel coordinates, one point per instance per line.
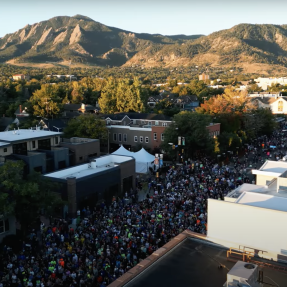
(26, 197)
(86, 126)
(193, 127)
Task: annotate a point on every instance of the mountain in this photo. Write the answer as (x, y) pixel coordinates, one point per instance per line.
(80, 39)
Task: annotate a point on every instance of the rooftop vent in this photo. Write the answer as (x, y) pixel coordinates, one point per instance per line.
(249, 266)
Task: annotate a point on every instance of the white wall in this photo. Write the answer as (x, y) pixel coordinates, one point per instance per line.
(262, 179)
(8, 152)
(234, 225)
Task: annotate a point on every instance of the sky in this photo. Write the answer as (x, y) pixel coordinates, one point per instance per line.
(167, 17)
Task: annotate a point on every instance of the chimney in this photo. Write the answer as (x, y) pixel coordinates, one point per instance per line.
(20, 107)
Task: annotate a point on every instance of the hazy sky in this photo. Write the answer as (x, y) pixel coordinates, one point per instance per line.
(167, 17)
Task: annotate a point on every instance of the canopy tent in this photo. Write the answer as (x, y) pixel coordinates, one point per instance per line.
(143, 159)
(123, 151)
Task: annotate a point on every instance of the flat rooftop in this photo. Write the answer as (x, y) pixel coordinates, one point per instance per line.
(263, 201)
(130, 128)
(193, 262)
(24, 134)
(97, 165)
(273, 167)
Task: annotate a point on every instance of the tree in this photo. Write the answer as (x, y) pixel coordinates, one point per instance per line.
(46, 101)
(86, 126)
(193, 127)
(26, 197)
(77, 93)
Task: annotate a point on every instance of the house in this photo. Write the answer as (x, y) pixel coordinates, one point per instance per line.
(187, 103)
(21, 112)
(264, 83)
(163, 96)
(5, 122)
(53, 125)
(19, 77)
(74, 110)
(277, 104)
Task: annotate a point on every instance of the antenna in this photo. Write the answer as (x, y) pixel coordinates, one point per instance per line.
(57, 128)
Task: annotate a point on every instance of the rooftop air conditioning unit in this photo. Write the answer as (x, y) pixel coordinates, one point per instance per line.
(243, 274)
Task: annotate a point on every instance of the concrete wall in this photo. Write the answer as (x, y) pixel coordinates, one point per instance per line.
(262, 179)
(234, 225)
(82, 151)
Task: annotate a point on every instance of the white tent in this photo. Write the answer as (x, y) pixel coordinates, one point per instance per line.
(144, 160)
(123, 151)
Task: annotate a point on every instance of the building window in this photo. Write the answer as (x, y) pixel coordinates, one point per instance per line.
(134, 122)
(162, 137)
(141, 139)
(115, 137)
(143, 122)
(149, 123)
(120, 137)
(136, 139)
(156, 123)
(125, 137)
(33, 144)
(5, 149)
(146, 139)
(155, 136)
(80, 158)
(56, 140)
(4, 226)
(280, 106)
(164, 124)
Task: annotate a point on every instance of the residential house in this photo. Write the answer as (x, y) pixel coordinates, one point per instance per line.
(187, 103)
(277, 104)
(164, 95)
(21, 112)
(74, 110)
(53, 125)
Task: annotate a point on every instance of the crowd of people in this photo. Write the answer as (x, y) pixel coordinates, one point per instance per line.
(112, 238)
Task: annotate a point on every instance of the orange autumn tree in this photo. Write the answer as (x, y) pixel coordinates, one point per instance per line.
(232, 101)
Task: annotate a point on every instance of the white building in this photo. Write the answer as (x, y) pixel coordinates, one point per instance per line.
(254, 216)
(265, 82)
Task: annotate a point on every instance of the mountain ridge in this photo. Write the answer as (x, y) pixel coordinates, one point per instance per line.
(83, 40)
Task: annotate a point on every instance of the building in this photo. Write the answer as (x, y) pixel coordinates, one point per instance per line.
(254, 216)
(214, 129)
(81, 150)
(21, 112)
(39, 149)
(101, 179)
(74, 110)
(189, 257)
(275, 102)
(19, 77)
(135, 130)
(203, 77)
(264, 83)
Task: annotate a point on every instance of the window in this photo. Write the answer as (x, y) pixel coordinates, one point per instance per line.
(141, 139)
(156, 123)
(280, 106)
(4, 225)
(44, 144)
(80, 158)
(162, 137)
(164, 124)
(115, 137)
(136, 139)
(33, 144)
(108, 122)
(125, 137)
(146, 139)
(120, 137)
(56, 140)
(134, 122)
(155, 136)
(149, 123)
(143, 122)
(5, 149)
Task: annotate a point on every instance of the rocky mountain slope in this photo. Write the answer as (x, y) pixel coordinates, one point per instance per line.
(80, 39)
(83, 40)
